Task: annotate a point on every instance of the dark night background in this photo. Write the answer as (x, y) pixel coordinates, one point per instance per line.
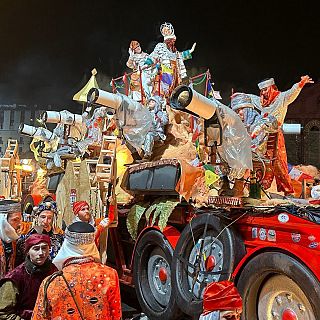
(48, 48)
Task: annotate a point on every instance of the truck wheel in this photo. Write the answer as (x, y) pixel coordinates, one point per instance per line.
(152, 277)
(192, 270)
(274, 285)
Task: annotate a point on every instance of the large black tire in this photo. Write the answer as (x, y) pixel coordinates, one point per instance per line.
(154, 253)
(274, 285)
(225, 252)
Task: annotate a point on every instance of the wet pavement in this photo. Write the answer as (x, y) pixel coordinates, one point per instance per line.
(130, 305)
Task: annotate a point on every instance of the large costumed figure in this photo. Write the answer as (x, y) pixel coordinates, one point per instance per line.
(276, 103)
(142, 74)
(171, 61)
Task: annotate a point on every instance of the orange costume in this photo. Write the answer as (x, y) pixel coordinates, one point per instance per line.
(276, 103)
(96, 290)
(84, 288)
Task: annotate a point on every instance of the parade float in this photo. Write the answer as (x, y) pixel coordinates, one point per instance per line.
(183, 191)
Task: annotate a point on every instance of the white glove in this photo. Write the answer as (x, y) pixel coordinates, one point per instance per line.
(131, 52)
(104, 222)
(193, 47)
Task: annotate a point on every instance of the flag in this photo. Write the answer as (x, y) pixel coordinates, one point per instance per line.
(209, 90)
(297, 174)
(210, 176)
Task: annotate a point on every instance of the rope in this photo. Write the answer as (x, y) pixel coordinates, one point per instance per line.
(200, 81)
(46, 286)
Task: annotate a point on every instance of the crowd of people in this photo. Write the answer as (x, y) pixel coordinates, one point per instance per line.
(48, 273)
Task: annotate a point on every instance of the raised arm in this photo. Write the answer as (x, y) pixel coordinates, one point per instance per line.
(292, 94)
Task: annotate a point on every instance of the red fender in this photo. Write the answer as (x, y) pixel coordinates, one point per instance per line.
(171, 233)
(308, 257)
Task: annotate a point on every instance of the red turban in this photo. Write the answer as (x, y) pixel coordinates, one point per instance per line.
(221, 296)
(36, 238)
(78, 205)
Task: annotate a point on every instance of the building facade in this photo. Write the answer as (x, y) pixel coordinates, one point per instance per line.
(10, 118)
(305, 148)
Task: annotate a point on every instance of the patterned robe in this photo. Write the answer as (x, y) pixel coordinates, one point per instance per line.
(278, 108)
(95, 287)
(172, 65)
(136, 61)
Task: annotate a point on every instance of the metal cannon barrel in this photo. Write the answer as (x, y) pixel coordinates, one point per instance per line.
(105, 98)
(39, 133)
(184, 98)
(63, 117)
(291, 128)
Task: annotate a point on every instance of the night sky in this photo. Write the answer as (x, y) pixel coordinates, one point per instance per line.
(48, 48)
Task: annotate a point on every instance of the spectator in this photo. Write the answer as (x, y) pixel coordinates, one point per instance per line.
(10, 221)
(45, 214)
(19, 288)
(82, 213)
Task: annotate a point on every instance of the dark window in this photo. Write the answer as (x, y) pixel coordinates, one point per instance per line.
(32, 117)
(312, 143)
(11, 118)
(22, 116)
(1, 119)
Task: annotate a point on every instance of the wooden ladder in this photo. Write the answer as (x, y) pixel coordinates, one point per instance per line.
(10, 153)
(105, 169)
(106, 172)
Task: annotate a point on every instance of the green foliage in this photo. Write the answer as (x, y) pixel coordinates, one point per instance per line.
(134, 217)
(150, 210)
(167, 209)
(161, 208)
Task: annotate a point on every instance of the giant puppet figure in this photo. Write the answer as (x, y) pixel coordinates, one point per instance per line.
(141, 78)
(170, 60)
(276, 103)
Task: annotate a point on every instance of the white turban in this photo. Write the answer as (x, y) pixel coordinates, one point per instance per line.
(76, 245)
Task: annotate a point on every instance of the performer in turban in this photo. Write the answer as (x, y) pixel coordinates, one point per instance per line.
(19, 288)
(82, 213)
(10, 221)
(85, 288)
